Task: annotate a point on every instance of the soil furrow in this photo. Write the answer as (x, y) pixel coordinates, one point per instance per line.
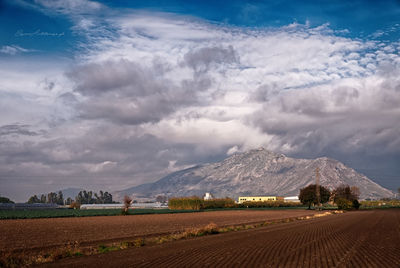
(355, 239)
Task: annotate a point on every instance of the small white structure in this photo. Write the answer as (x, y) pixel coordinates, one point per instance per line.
(291, 199)
(208, 196)
(121, 206)
(102, 206)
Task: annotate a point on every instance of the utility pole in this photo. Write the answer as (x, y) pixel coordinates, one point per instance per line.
(317, 190)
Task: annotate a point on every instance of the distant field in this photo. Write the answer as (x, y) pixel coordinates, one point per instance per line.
(60, 213)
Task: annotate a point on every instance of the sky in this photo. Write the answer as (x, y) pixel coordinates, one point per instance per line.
(105, 95)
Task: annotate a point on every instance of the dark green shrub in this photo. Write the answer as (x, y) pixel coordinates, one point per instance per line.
(194, 203)
(218, 203)
(344, 204)
(268, 204)
(356, 204)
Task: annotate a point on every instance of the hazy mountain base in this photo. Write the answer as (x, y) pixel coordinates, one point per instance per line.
(257, 172)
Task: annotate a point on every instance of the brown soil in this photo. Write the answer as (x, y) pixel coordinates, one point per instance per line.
(354, 239)
(37, 234)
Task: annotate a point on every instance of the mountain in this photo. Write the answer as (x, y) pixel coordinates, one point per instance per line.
(258, 172)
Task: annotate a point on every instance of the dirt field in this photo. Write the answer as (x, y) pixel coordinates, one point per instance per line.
(36, 234)
(354, 239)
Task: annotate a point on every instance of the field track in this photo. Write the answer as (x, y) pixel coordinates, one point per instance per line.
(354, 239)
(37, 234)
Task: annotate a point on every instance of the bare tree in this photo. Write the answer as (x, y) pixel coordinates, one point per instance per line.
(346, 192)
(161, 198)
(127, 204)
(355, 191)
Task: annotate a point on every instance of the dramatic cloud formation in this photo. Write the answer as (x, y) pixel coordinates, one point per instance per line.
(161, 92)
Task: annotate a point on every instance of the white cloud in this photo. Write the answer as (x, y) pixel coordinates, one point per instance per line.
(165, 91)
(29, 91)
(71, 7)
(232, 150)
(13, 50)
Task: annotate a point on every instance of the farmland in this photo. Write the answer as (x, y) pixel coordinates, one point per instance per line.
(61, 213)
(355, 239)
(323, 241)
(28, 234)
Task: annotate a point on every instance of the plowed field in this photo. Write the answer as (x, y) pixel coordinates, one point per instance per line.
(37, 234)
(354, 239)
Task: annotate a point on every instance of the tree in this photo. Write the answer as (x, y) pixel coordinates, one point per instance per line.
(60, 198)
(103, 198)
(346, 192)
(127, 204)
(84, 197)
(161, 199)
(52, 198)
(308, 195)
(75, 205)
(99, 199)
(108, 198)
(43, 198)
(33, 199)
(346, 197)
(343, 203)
(356, 192)
(5, 200)
(69, 201)
(89, 197)
(356, 204)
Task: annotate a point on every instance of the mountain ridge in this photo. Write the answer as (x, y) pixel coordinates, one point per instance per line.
(257, 172)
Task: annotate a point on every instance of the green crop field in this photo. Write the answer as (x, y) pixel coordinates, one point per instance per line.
(56, 213)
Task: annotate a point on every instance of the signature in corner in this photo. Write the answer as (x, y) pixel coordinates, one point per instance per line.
(38, 32)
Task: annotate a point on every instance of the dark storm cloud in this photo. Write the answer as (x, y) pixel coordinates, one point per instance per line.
(201, 59)
(344, 95)
(309, 103)
(265, 92)
(48, 85)
(362, 119)
(126, 92)
(126, 77)
(68, 98)
(162, 94)
(17, 130)
(128, 111)
(104, 157)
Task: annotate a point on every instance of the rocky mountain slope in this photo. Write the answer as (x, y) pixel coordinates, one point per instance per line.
(258, 172)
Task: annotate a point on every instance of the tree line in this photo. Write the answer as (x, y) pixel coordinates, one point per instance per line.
(6, 200)
(83, 197)
(344, 196)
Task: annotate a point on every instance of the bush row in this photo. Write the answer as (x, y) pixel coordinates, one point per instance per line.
(218, 203)
(268, 204)
(196, 203)
(380, 203)
(192, 203)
